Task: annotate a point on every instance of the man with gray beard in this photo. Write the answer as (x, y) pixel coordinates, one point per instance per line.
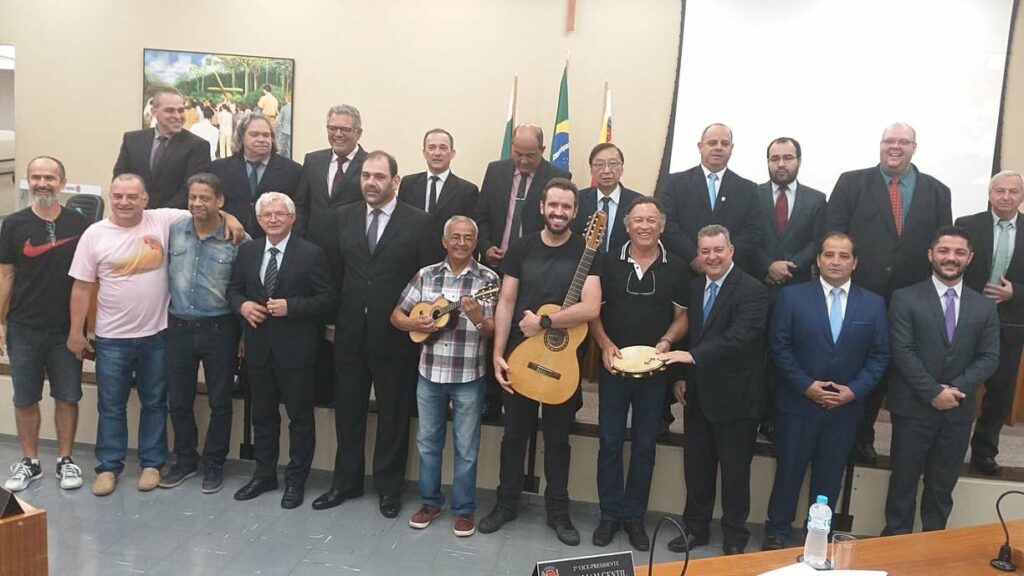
(36, 248)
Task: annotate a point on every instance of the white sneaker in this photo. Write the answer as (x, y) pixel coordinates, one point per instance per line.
(22, 474)
(69, 474)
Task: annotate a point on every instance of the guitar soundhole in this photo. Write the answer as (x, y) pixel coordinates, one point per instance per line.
(556, 339)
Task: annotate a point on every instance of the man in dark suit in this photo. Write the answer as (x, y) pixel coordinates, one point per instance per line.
(607, 194)
(710, 193)
(830, 344)
(282, 287)
(945, 344)
(997, 271)
(330, 177)
(165, 156)
(438, 191)
(722, 391)
(376, 247)
(891, 210)
(509, 202)
(255, 168)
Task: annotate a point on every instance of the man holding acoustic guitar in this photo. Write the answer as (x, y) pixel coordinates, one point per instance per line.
(451, 370)
(542, 367)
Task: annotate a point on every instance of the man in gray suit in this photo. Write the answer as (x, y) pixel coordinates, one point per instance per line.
(945, 343)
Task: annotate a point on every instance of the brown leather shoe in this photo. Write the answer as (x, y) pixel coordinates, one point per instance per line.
(104, 483)
(149, 479)
(465, 525)
(424, 516)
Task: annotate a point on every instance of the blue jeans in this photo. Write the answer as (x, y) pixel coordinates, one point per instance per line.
(117, 359)
(37, 354)
(466, 401)
(214, 341)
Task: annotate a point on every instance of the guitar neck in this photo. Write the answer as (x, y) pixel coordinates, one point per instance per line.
(576, 288)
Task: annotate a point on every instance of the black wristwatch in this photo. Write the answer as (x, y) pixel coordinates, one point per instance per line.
(545, 322)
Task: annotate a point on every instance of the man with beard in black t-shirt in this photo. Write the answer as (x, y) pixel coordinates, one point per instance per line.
(539, 269)
(36, 248)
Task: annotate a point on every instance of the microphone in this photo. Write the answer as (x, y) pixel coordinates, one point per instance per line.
(1005, 560)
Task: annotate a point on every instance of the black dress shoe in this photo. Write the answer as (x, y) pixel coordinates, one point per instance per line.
(567, 533)
(986, 465)
(679, 544)
(638, 539)
(773, 543)
(390, 506)
(732, 550)
(767, 429)
(292, 497)
(255, 487)
(496, 519)
(605, 532)
(329, 499)
(865, 454)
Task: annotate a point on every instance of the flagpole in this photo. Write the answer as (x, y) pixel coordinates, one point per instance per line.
(604, 108)
(515, 99)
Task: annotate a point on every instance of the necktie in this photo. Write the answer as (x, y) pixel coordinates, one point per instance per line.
(605, 202)
(432, 204)
(950, 314)
(712, 293)
(896, 199)
(371, 232)
(1001, 259)
(835, 314)
(270, 275)
(158, 153)
(254, 177)
(712, 191)
(338, 174)
(782, 209)
(517, 214)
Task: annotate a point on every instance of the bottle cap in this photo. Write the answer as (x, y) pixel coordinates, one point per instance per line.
(822, 499)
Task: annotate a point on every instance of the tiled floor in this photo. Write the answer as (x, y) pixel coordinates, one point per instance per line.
(184, 532)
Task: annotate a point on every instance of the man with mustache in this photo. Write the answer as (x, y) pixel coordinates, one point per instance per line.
(945, 344)
(36, 248)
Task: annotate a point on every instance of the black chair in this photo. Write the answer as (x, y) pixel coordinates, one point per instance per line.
(89, 205)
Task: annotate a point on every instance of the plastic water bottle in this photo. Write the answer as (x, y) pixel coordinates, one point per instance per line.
(819, 522)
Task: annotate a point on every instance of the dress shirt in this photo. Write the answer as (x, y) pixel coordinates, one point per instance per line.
(790, 197)
(908, 182)
(333, 168)
(156, 143)
(613, 209)
(708, 282)
(261, 168)
(1011, 233)
(718, 183)
(383, 219)
(843, 297)
(281, 246)
(941, 288)
(512, 206)
(441, 179)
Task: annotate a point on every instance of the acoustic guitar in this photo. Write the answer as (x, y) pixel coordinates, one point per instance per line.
(544, 367)
(441, 310)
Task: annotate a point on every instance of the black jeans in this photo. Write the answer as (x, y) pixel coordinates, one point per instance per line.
(214, 342)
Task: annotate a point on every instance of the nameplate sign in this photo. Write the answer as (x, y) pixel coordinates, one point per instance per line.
(615, 564)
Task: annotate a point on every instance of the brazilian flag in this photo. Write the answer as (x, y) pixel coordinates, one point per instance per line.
(560, 136)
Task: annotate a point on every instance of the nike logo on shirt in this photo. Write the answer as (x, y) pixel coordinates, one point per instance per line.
(32, 251)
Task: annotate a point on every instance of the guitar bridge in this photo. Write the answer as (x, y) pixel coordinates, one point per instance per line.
(544, 370)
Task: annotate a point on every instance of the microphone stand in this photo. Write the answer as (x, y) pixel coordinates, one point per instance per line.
(1005, 560)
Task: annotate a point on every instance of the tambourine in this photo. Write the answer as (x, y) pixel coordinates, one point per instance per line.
(637, 362)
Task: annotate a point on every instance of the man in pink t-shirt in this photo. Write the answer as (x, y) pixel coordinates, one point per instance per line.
(126, 256)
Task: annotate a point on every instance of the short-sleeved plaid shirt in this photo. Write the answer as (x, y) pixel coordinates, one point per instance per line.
(457, 354)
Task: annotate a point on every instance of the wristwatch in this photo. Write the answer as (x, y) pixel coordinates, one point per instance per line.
(545, 322)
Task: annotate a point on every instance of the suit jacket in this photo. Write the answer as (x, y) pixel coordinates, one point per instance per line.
(982, 230)
(688, 209)
(371, 284)
(457, 197)
(924, 358)
(280, 175)
(589, 204)
(304, 280)
(798, 243)
(859, 206)
(311, 199)
(186, 154)
(495, 192)
(729, 349)
(804, 351)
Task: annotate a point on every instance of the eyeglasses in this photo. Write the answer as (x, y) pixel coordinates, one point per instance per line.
(51, 232)
(346, 130)
(901, 142)
(634, 284)
(600, 166)
(462, 238)
(785, 158)
(270, 216)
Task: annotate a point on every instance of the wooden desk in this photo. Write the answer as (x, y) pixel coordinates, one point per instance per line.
(23, 543)
(958, 552)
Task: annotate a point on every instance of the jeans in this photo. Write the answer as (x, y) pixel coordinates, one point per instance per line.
(213, 341)
(616, 394)
(35, 354)
(117, 359)
(467, 401)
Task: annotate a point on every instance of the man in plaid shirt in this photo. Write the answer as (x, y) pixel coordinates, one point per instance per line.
(451, 371)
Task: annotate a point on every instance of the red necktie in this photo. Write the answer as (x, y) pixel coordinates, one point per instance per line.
(896, 199)
(782, 209)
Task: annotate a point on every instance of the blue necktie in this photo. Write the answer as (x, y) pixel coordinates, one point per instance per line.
(835, 314)
(712, 192)
(712, 292)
